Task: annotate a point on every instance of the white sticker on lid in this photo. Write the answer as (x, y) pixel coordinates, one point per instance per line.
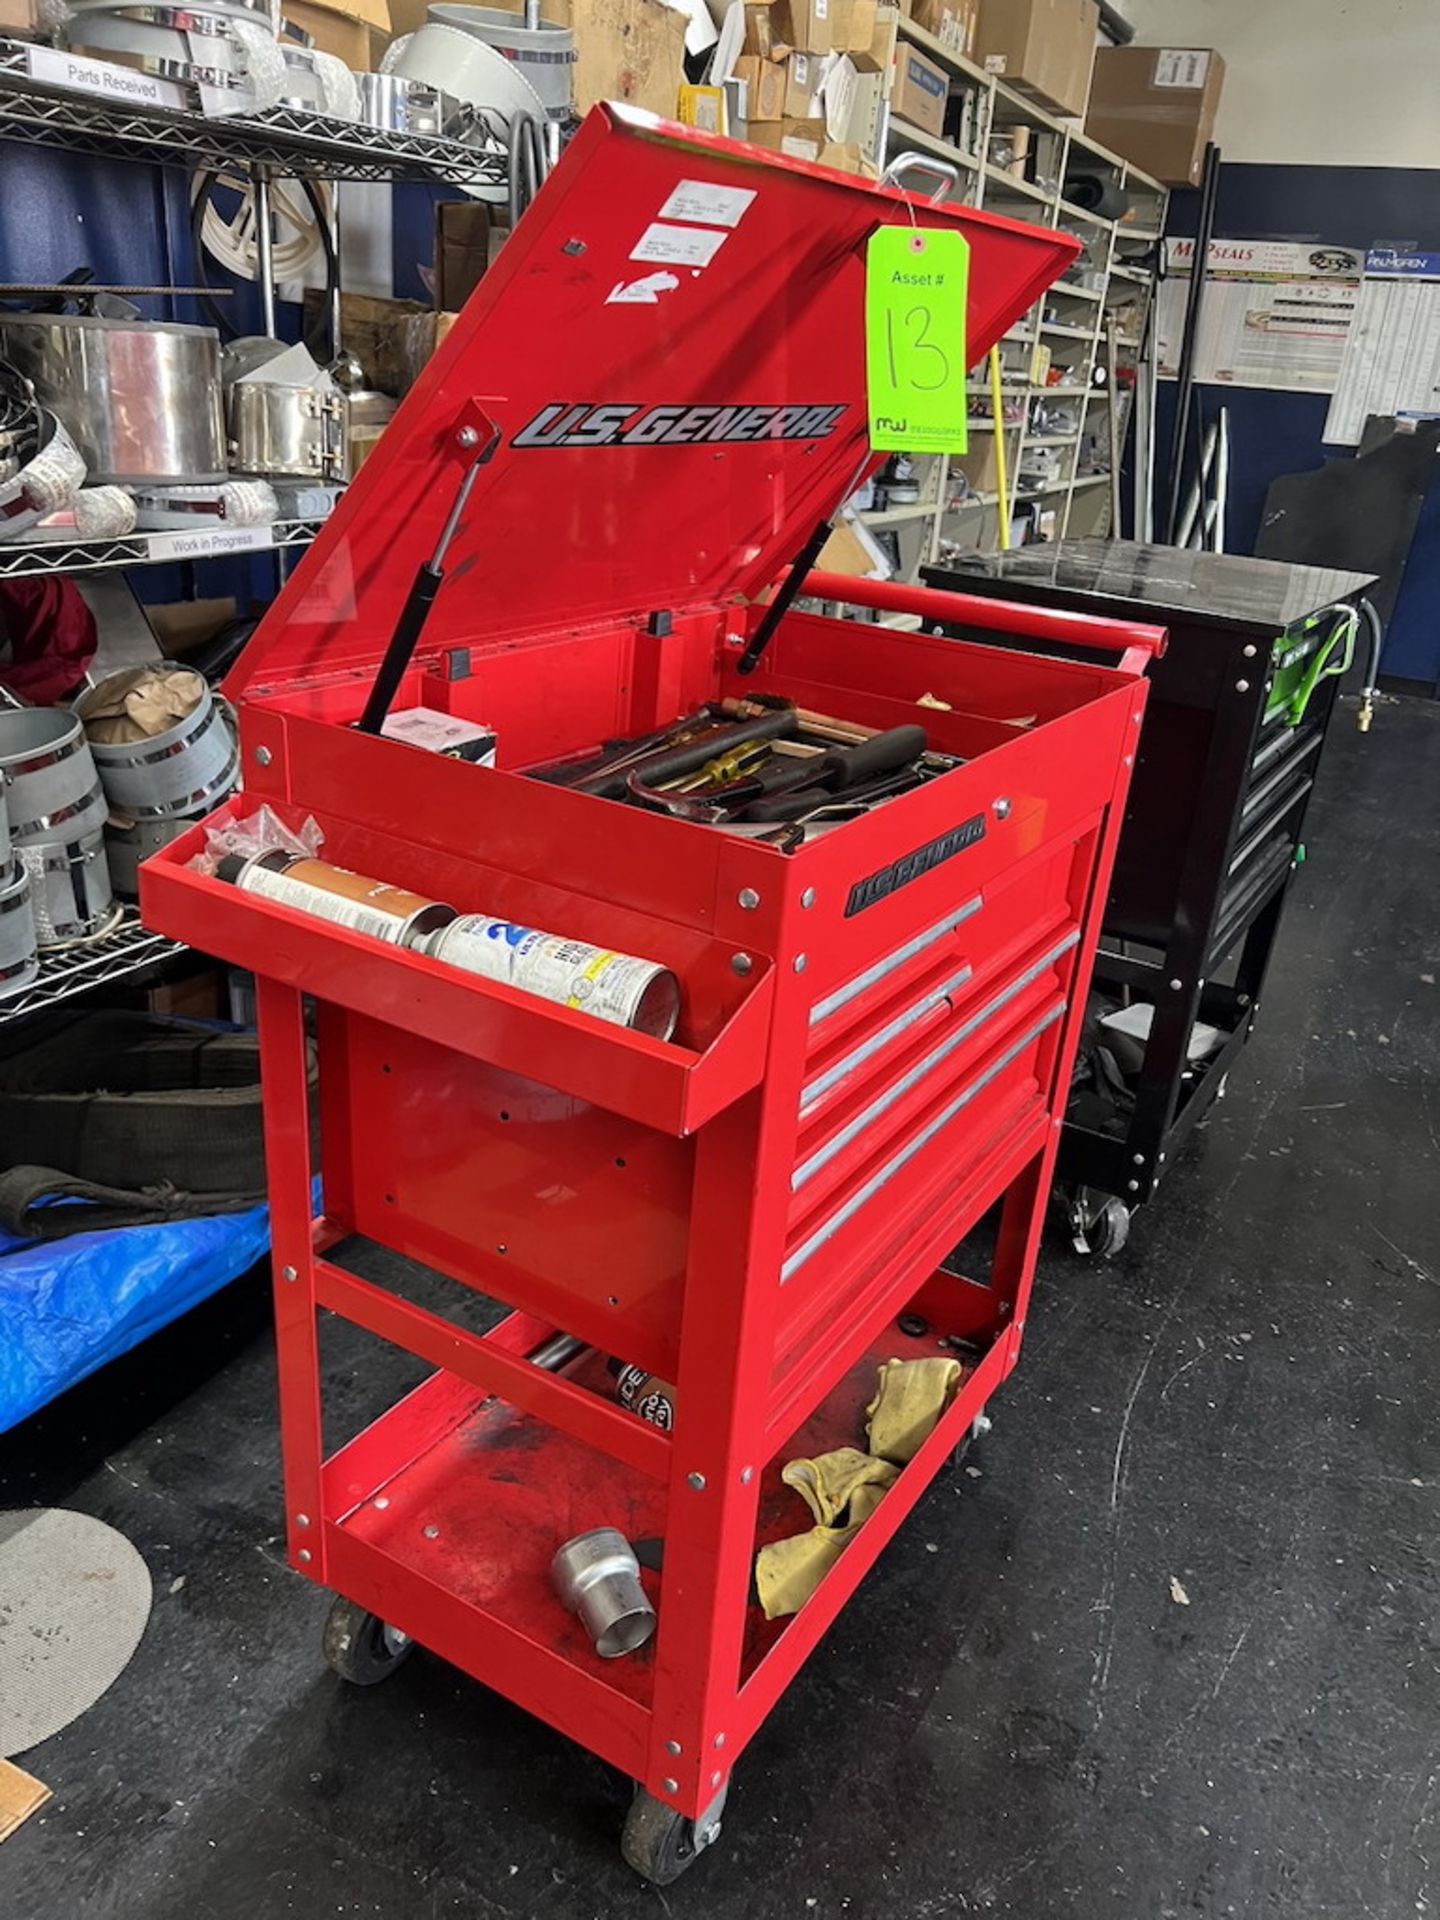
(678, 246)
(1186, 67)
(641, 293)
(710, 205)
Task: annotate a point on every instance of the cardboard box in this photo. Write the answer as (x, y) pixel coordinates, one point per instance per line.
(852, 548)
(357, 31)
(861, 18)
(1041, 47)
(702, 107)
(807, 25)
(954, 23)
(921, 91)
(848, 156)
(764, 88)
(462, 251)
(416, 337)
(801, 139)
(1156, 106)
(879, 55)
(180, 626)
(371, 330)
(759, 32)
(981, 464)
(19, 17)
(802, 86)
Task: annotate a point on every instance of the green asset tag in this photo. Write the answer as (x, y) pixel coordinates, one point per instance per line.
(915, 352)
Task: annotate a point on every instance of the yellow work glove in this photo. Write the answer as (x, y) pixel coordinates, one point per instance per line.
(908, 1403)
(842, 1489)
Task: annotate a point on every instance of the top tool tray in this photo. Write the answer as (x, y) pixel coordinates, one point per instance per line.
(876, 1030)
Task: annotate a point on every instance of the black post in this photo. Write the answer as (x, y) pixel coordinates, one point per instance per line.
(1209, 194)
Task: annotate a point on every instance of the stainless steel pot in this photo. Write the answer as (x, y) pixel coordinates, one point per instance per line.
(141, 399)
(399, 105)
(203, 52)
(286, 430)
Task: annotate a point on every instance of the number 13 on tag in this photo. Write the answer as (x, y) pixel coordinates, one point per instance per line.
(916, 281)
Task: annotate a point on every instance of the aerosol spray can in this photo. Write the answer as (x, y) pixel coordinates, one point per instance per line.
(612, 986)
(644, 1394)
(350, 899)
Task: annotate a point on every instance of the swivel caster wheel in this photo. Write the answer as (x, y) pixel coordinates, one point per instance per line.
(1099, 1226)
(660, 1843)
(361, 1647)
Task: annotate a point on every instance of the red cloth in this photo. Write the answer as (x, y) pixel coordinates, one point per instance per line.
(51, 636)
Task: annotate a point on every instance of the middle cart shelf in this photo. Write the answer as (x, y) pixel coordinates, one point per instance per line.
(877, 1017)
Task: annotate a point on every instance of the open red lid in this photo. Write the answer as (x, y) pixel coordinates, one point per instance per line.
(672, 348)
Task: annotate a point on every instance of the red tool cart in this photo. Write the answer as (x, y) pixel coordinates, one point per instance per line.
(652, 401)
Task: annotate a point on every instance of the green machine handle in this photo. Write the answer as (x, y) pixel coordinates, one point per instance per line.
(1295, 695)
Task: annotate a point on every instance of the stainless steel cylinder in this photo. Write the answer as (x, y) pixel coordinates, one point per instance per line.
(5, 858)
(598, 1577)
(127, 848)
(286, 430)
(57, 821)
(390, 101)
(184, 770)
(141, 399)
(19, 962)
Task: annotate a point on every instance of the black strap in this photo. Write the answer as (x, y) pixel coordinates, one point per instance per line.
(28, 1208)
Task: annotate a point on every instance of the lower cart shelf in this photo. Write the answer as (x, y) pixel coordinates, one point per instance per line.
(444, 1516)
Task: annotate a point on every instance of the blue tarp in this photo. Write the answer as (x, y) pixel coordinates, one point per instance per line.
(69, 1306)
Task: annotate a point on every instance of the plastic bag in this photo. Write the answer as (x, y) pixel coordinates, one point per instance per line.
(260, 832)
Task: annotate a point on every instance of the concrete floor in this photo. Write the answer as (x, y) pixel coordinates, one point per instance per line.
(1170, 1650)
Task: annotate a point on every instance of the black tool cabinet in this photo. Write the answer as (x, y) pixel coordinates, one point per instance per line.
(1213, 831)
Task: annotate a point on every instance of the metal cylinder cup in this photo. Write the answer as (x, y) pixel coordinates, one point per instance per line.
(57, 822)
(598, 1577)
(19, 964)
(184, 770)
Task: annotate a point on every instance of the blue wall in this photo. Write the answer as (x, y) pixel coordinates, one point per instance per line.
(1278, 433)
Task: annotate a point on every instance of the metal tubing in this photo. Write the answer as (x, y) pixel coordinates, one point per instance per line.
(336, 341)
(1116, 25)
(1113, 411)
(1195, 502)
(1209, 194)
(264, 251)
(556, 1352)
(1035, 623)
(1222, 481)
